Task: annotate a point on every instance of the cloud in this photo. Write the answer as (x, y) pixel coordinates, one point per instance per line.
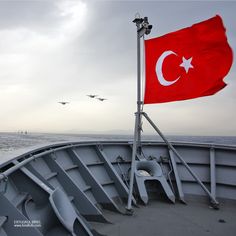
(24, 50)
(64, 50)
(30, 58)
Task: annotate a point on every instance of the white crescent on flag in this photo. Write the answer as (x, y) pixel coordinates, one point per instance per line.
(159, 72)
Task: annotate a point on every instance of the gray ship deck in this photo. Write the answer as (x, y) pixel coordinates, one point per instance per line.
(164, 219)
(77, 188)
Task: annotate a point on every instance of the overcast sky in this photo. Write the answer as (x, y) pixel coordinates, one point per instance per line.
(53, 51)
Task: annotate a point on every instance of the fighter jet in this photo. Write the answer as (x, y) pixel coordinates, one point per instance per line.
(92, 96)
(101, 99)
(63, 103)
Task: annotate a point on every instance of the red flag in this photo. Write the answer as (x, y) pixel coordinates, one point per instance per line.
(188, 63)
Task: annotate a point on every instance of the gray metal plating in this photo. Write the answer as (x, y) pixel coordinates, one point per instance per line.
(67, 187)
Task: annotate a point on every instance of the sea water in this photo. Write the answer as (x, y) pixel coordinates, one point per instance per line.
(14, 141)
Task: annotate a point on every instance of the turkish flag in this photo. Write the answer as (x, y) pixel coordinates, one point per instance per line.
(188, 63)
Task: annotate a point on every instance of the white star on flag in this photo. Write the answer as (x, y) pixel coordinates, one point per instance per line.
(186, 64)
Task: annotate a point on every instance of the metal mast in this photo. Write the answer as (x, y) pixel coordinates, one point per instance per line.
(143, 27)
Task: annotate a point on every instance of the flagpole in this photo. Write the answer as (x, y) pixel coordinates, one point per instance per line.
(138, 22)
(143, 27)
